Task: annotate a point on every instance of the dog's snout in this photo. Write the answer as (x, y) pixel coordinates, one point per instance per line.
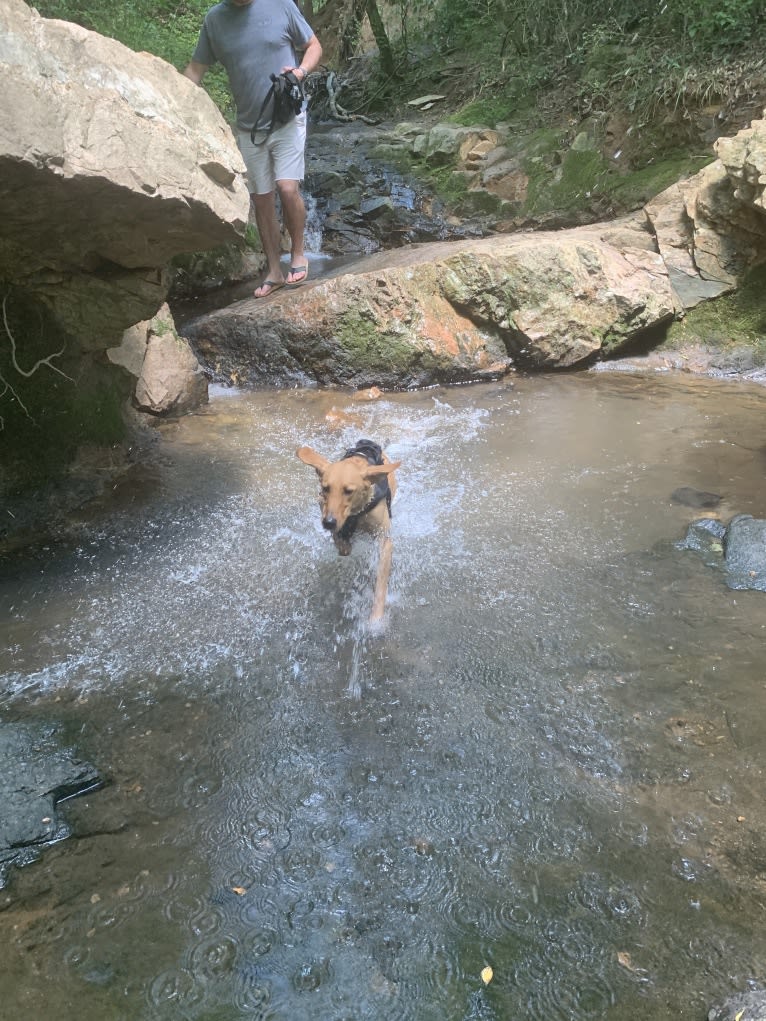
(329, 523)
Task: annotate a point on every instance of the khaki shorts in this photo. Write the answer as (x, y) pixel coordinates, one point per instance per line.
(280, 157)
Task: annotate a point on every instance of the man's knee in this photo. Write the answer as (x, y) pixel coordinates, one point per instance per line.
(289, 190)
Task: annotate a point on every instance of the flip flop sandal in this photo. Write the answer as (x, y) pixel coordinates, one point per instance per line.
(294, 270)
(273, 285)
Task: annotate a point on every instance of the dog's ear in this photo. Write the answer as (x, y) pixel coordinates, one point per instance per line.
(375, 470)
(312, 459)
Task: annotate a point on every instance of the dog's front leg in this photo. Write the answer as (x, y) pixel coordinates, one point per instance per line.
(381, 582)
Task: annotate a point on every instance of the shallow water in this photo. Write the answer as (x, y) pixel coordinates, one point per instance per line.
(549, 760)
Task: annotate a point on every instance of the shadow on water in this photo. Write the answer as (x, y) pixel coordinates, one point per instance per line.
(549, 760)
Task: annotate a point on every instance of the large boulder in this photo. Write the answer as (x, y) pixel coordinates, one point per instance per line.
(711, 228)
(448, 312)
(111, 162)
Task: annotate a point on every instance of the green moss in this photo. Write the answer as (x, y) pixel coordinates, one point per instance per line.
(376, 353)
(446, 182)
(484, 111)
(582, 175)
(731, 321)
(540, 143)
(368, 348)
(639, 186)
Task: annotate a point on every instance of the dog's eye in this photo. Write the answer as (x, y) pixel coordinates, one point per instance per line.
(325, 490)
(348, 490)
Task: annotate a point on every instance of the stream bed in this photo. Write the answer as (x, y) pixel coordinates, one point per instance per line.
(548, 761)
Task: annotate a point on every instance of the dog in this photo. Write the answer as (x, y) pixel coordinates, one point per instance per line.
(356, 492)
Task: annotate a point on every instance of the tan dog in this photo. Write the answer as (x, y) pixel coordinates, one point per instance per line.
(356, 492)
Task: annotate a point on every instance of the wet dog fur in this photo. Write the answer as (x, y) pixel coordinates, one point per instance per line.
(346, 490)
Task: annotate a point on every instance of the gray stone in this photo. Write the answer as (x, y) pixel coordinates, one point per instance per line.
(37, 774)
(749, 1006)
(745, 553)
(696, 498)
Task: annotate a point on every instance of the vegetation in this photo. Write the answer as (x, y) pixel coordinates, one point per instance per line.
(643, 55)
(728, 323)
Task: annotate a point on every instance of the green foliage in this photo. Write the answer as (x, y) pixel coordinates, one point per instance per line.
(711, 27)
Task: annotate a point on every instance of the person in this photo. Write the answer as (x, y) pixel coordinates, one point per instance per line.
(254, 39)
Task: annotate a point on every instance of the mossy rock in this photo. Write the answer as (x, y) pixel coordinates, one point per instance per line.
(728, 323)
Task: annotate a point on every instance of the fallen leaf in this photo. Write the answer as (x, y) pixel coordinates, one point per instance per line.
(487, 975)
(624, 960)
(239, 890)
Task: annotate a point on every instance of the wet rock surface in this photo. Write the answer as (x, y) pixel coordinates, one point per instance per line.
(38, 773)
(738, 548)
(364, 203)
(750, 1006)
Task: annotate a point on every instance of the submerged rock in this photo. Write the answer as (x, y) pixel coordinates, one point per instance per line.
(698, 498)
(37, 773)
(749, 1006)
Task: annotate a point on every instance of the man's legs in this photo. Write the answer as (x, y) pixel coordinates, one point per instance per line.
(277, 164)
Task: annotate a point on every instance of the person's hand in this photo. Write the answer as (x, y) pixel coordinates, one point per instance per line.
(299, 72)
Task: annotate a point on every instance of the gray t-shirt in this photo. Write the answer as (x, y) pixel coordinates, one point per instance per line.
(252, 42)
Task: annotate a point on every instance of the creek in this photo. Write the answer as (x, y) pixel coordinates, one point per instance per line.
(548, 761)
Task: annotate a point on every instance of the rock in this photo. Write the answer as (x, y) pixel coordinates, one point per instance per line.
(749, 1006)
(426, 101)
(111, 162)
(745, 553)
(675, 239)
(129, 164)
(696, 498)
(137, 159)
(171, 380)
(739, 547)
(447, 312)
(37, 773)
(373, 208)
(744, 159)
(447, 143)
(702, 532)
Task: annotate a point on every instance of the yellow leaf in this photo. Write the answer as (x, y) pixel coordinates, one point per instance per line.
(739, 1016)
(624, 960)
(239, 890)
(486, 975)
